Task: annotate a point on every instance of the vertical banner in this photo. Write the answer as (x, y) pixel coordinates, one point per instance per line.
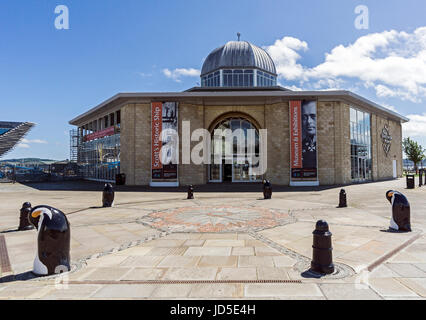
(296, 134)
(165, 147)
(156, 143)
(303, 140)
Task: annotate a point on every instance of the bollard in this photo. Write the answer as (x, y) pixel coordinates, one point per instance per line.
(410, 181)
(400, 219)
(342, 199)
(190, 192)
(267, 189)
(53, 241)
(322, 257)
(420, 177)
(24, 223)
(108, 196)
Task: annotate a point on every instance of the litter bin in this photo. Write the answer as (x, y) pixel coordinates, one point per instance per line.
(120, 179)
(410, 181)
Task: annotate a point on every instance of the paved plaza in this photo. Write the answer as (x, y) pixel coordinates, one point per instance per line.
(230, 244)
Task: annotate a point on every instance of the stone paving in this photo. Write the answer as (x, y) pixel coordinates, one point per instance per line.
(158, 245)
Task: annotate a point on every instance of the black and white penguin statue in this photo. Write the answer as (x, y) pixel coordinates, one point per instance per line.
(53, 242)
(400, 219)
(108, 196)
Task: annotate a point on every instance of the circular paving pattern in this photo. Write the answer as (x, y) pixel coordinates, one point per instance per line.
(216, 219)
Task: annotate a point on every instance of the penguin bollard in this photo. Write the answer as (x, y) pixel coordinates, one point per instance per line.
(400, 219)
(342, 199)
(53, 241)
(190, 192)
(24, 223)
(108, 196)
(267, 190)
(322, 257)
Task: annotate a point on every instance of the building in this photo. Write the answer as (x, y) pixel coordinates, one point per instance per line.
(313, 137)
(11, 133)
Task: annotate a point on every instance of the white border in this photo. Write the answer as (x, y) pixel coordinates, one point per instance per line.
(304, 183)
(164, 184)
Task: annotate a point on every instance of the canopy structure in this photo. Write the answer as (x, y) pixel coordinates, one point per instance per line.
(11, 133)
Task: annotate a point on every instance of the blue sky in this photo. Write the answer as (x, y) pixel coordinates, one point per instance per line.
(49, 76)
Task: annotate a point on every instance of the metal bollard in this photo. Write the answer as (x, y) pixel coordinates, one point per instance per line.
(267, 189)
(108, 196)
(342, 199)
(53, 241)
(322, 257)
(190, 192)
(24, 223)
(420, 177)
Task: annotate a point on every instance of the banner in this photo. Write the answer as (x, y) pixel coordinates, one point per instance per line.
(165, 149)
(303, 140)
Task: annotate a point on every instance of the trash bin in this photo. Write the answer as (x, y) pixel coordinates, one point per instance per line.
(410, 181)
(120, 179)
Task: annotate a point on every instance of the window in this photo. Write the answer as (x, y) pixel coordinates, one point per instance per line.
(360, 131)
(237, 78)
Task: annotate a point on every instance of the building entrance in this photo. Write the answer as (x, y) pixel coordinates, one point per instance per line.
(235, 153)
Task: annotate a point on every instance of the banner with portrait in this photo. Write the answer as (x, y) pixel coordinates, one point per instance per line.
(164, 137)
(303, 140)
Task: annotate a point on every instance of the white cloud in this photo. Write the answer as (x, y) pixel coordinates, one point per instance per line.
(177, 73)
(23, 145)
(392, 62)
(416, 127)
(285, 54)
(26, 141)
(144, 75)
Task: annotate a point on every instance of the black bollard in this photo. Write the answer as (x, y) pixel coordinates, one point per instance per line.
(342, 199)
(420, 177)
(322, 257)
(267, 189)
(53, 242)
(410, 181)
(190, 192)
(24, 223)
(400, 219)
(108, 196)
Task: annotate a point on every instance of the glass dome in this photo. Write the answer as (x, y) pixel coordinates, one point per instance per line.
(238, 64)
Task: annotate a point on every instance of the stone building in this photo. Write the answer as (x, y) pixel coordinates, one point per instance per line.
(312, 137)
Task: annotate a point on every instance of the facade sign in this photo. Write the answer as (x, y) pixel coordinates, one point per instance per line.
(386, 139)
(303, 140)
(100, 134)
(164, 141)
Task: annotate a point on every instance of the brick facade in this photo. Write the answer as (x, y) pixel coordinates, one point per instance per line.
(333, 140)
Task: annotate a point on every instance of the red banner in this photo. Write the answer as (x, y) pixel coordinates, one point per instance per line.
(296, 134)
(156, 143)
(100, 134)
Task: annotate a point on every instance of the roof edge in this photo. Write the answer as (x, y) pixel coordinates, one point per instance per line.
(191, 93)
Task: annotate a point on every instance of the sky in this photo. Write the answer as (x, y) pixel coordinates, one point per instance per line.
(49, 76)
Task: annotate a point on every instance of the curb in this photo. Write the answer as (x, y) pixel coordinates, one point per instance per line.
(393, 252)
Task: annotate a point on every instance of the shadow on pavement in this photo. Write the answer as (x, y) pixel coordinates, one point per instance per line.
(84, 185)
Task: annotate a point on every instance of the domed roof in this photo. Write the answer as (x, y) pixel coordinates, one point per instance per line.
(241, 54)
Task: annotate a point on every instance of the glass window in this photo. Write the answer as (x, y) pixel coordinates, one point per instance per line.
(360, 145)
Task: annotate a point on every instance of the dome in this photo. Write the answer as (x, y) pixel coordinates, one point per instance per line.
(239, 54)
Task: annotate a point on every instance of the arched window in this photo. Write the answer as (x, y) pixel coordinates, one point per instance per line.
(234, 151)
